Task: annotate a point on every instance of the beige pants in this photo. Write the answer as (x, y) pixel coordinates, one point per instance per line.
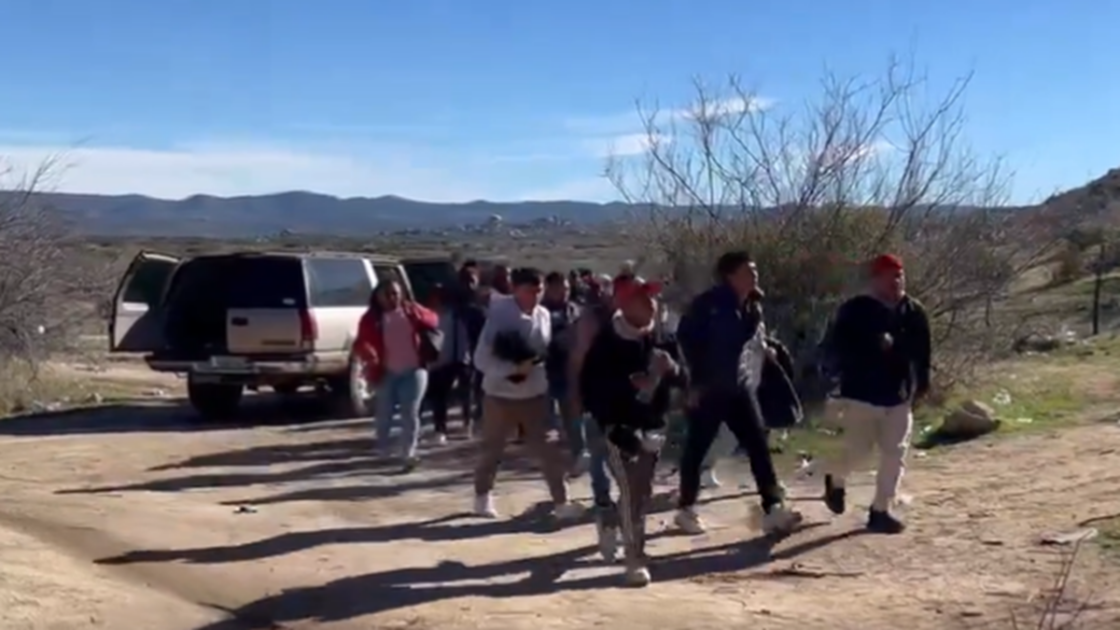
(500, 419)
(867, 427)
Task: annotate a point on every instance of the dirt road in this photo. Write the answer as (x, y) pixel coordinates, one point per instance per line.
(126, 518)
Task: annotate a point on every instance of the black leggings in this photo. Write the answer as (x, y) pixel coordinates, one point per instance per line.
(448, 384)
(740, 411)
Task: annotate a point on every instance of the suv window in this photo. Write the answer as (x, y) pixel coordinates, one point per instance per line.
(424, 276)
(265, 282)
(146, 287)
(338, 281)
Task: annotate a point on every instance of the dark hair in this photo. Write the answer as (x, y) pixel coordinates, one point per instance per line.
(526, 276)
(731, 262)
(469, 263)
(381, 286)
(554, 278)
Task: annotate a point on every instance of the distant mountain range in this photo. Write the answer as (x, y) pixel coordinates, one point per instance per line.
(312, 213)
(301, 212)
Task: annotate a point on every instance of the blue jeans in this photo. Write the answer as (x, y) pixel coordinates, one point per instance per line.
(404, 391)
(600, 480)
(573, 426)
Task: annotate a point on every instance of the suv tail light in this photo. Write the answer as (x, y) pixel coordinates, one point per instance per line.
(308, 329)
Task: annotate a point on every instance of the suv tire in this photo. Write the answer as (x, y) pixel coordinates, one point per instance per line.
(214, 401)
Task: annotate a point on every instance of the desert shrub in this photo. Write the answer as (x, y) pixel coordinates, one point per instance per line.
(813, 191)
(1069, 264)
(46, 291)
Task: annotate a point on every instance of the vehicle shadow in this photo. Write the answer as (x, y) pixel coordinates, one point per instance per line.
(373, 593)
(145, 415)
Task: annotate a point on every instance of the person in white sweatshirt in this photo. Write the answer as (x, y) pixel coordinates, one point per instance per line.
(510, 354)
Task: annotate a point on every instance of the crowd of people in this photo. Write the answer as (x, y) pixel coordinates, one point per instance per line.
(582, 368)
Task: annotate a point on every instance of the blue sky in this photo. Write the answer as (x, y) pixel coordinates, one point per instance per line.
(496, 99)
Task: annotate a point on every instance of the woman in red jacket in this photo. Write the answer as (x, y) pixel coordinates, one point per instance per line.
(389, 338)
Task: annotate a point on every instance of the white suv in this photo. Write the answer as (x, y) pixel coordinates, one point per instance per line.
(244, 320)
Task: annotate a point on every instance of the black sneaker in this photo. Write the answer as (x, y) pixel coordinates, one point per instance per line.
(835, 497)
(882, 522)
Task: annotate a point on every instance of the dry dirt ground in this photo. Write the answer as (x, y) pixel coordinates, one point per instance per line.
(126, 517)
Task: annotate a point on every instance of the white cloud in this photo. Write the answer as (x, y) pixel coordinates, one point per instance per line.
(233, 169)
(597, 189)
(625, 145)
(723, 107)
(840, 155)
(624, 135)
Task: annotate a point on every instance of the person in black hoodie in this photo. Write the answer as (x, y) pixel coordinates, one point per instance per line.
(880, 346)
(624, 385)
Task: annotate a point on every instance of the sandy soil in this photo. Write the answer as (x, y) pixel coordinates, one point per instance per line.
(130, 517)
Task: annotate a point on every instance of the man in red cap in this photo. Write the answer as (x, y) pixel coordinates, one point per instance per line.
(595, 317)
(624, 384)
(880, 345)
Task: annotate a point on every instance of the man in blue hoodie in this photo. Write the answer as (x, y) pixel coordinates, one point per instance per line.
(721, 336)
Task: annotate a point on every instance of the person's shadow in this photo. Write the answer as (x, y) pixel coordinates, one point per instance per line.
(373, 593)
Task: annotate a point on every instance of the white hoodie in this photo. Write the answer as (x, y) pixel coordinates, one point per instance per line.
(504, 314)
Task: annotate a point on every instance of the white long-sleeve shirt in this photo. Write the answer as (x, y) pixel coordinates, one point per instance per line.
(504, 314)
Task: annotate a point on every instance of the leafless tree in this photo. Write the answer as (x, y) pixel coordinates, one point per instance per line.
(814, 189)
(42, 289)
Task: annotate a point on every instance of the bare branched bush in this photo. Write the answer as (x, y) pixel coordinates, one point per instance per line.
(813, 190)
(44, 291)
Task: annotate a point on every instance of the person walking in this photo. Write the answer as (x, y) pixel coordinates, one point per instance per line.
(881, 348)
(451, 369)
(563, 314)
(390, 339)
(595, 317)
(624, 383)
(722, 340)
(511, 354)
(472, 312)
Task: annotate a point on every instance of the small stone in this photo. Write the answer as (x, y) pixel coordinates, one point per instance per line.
(1069, 538)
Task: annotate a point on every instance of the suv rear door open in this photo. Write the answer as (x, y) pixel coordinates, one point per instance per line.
(136, 321)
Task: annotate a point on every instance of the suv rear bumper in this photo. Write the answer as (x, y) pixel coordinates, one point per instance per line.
(240, 366)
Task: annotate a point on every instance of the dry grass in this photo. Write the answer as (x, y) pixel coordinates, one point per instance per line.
(24, 388)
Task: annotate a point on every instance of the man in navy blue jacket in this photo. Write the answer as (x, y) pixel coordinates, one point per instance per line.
(721, 337)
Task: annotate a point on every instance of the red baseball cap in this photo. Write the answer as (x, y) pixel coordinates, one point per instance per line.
(626, 286)
(886, 263)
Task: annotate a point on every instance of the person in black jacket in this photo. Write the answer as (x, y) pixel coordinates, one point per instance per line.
(735, 380)
(624, 385)
(471, 311)
(880, 347)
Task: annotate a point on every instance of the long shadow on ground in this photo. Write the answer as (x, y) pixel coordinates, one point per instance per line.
(348, 460)
(164, 416)
(373, 593)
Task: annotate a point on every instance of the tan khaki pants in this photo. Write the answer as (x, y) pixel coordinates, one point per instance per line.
(867, 427)
(500, 419)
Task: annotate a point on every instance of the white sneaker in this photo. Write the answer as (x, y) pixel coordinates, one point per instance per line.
(781, 520)
(708, 479)
(439, 439)
(637, 576)
(484, 506)
(567, 511)
(689, 522)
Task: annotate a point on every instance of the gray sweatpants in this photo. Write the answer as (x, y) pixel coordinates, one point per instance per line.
(634, 476)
